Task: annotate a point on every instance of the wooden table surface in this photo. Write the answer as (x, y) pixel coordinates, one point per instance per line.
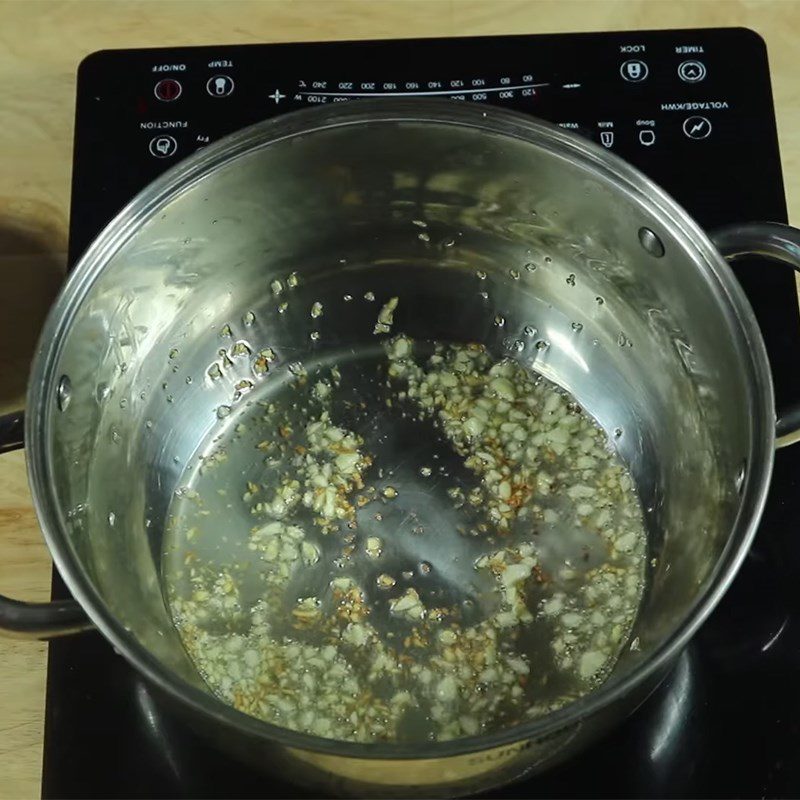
(41, 44)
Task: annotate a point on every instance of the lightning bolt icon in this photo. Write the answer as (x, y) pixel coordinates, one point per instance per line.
(697, 127)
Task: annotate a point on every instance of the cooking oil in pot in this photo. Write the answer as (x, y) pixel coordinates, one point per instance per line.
(413, 541)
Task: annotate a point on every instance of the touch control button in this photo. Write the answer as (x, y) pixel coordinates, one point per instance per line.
(220, 85)
(692, 71)
(697, 127)
(167, 90)
(634, 70)
(163, 146)
(647, 137)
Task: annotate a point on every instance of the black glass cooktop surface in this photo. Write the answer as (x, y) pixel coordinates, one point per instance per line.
(692, 109)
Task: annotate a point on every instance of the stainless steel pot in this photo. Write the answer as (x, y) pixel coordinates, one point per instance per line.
(638, 314)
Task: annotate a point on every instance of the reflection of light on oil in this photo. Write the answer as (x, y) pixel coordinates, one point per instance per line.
(674, 712)
(567, 346)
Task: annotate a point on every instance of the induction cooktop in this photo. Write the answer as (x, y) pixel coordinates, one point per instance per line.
(693, 110)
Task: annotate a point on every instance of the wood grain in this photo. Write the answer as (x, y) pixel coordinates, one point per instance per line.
(41, 44)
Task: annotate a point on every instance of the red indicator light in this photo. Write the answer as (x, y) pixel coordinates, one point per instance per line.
(167, 90)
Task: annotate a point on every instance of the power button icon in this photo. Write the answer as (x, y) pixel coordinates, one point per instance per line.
(634, 70)
(167, 90)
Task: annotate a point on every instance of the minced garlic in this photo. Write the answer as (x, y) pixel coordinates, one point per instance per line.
(320, 660)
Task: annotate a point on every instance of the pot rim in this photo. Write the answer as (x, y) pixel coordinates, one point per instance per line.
(41, 403)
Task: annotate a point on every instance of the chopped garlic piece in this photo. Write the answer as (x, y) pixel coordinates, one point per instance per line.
(408, 605)
(386, 316)
(310, 553)
(374, 547)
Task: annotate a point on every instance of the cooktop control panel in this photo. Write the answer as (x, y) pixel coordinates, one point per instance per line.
(661, 99)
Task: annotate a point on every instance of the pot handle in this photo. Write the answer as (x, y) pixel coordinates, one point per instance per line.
(775, 242)
(35, 620)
